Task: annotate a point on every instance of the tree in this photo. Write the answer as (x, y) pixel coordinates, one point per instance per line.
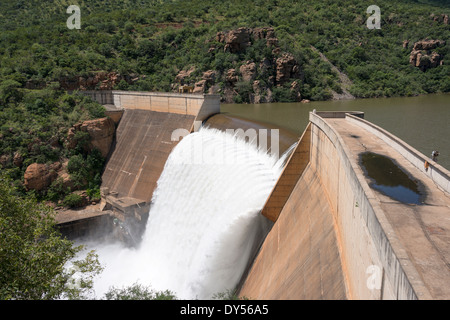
(34, 258)
(138, 292)
(9, 91)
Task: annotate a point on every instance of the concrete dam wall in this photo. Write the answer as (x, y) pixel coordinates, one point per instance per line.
(144, 140)
(335, 237)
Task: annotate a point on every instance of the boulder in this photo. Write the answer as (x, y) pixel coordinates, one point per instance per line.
(239, 39)
(248, 71)
(18, 159)
(287, 68)
(428, 44)
(231, 76)
(209, 76)
(295, 89)
(200, 87)
(39, 176)
(5, 159)
(423, 57)
(183, 74)
(101, 133)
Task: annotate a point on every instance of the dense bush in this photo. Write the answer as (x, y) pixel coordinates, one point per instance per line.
(34, 126)
(73, 200)
(156, 39)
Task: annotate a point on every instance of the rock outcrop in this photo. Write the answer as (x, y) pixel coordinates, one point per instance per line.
(208, 79)
(39, 176)
(235, 40)
(99, 80)
(183, 75)
(287, 68)
(441, 18)
(231, 76)
(423, 57)
(101, 133)
(248, 71)
(239, 39)
(255, 79)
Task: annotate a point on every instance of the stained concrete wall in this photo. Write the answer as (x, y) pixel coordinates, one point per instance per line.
(144, 141)
(199, 105)
(143, 144)
(294, 168)
(332, 212)
(300, 257)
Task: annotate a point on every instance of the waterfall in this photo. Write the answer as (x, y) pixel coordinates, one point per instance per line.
(204, 222)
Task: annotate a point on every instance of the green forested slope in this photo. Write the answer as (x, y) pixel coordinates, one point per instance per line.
(136, 37)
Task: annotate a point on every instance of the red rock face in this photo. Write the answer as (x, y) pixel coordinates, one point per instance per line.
(39, 176)
(101, 132)
(287, 68)
(239, 39)
(423, 56)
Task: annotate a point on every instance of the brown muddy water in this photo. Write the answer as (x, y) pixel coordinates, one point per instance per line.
(423, 121)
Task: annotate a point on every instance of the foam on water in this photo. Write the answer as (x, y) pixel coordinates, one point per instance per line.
(204, 224)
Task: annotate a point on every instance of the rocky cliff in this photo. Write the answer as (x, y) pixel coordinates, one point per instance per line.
(424, 55)
(249, 80)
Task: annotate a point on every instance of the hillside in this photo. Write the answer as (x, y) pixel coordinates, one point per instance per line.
(145, 45)
(246, 51)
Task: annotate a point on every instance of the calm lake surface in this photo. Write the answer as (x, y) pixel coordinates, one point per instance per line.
(423, 121)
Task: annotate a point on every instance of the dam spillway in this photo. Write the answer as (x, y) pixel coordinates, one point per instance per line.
(333, 236)
(204, 223)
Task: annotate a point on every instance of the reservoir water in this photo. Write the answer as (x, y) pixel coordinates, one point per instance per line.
(422, 121)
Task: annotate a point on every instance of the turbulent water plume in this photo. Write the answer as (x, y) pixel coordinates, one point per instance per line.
(204, 224)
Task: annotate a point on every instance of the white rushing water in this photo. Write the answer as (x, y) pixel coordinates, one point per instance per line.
(204, 223)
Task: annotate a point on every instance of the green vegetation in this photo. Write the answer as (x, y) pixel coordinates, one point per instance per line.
(33, 256)
(138, 292)
(33, 129)
(156, 39)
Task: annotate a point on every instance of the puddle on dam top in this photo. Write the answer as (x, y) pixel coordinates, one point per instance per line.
(388, 178)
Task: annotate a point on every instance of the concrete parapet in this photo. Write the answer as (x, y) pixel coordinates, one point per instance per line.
(339, 114)
(436, 172)
(199, 105)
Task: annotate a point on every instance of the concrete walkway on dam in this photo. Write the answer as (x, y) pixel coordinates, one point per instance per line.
(334, 231)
